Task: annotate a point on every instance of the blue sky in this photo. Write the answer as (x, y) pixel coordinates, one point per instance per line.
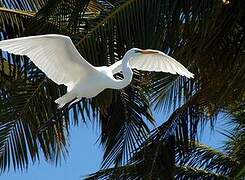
(86, 154)
(84, 157)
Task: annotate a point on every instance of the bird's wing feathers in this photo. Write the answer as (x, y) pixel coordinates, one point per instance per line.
(157, 61)
(55, 55)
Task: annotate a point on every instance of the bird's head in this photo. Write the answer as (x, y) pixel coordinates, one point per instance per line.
(136, 51)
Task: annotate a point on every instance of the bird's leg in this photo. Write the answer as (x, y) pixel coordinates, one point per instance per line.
(65, 99)
(76, 100)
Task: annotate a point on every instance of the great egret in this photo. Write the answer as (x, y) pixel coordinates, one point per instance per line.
(58, 58)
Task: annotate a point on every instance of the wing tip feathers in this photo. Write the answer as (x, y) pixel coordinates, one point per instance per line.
(190, 75)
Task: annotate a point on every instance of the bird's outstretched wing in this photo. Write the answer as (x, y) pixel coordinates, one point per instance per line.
(54, 54)
(154, 60)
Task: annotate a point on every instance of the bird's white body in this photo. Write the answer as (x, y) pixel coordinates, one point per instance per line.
(58, 58)
(93, 84)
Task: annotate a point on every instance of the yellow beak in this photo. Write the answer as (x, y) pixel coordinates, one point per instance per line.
(149, 51)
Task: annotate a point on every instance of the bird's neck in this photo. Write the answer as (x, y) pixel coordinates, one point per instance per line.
(127, 72)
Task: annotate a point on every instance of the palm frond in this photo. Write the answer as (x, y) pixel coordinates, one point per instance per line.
(128, 172)
(169, 92)
(185, 120)
(25, 5)
(211, 165)
(104, 39)
(235, 144)
(15, 15)
(123, 127)
(204, 157)
(14, 21)
(186, 172)
(26, 103)
(214, 68)
(171, 138)
(66, 17)
(131, 172)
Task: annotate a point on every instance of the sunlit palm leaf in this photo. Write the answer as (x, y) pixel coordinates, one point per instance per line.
(24, 5)
(14, 21)
(15, 15)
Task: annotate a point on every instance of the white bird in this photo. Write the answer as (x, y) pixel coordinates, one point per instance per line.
(59, 59)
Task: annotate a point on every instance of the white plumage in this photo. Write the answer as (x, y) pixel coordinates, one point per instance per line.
(58, 58)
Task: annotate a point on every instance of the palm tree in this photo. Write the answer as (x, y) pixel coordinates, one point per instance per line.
(205, 35)
(160, 157)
